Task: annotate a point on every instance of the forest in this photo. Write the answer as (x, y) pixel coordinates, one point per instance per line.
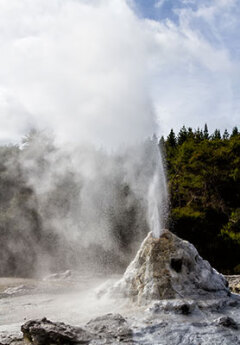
(204, 184)
(46, 204)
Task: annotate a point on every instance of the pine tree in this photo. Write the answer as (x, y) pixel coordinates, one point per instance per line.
(235, 132)
(182, 135)
(199, 134)
(190, 134)
(161, 142)
(205, 132)
(216, 135)
(171, 139)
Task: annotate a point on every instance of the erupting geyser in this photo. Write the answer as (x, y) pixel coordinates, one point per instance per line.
(166, 266)
(158, 198)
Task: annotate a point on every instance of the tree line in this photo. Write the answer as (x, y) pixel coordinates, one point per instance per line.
(204, 184)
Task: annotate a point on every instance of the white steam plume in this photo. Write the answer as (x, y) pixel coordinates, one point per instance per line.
(77, 67)
(81, 69)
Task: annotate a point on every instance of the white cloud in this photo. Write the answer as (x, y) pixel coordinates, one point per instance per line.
(197, 68)
(159, 3)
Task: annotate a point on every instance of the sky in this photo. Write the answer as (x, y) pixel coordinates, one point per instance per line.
(116, 71)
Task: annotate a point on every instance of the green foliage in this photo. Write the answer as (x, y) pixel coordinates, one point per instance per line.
(182, 135)
(235, 132)
(205, 132)
(204, 184)
(171, 139)
(232, 228)
(216, 135)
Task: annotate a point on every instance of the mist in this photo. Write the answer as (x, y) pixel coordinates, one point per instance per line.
(77, 207)
(79, 68)
(90, 182)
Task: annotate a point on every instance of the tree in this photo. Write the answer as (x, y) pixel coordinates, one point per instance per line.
(199, 134)
(216, 135)
(171, 139)
(235, 132)
(205, 132)
(204, 186)
(190, 134)
(182, 135)
(161, 145)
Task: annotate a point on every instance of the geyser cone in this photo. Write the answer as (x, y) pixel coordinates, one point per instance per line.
(169, 267)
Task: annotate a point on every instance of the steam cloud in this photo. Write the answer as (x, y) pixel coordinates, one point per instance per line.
(78, 70)
(77, 67)
(93, 207)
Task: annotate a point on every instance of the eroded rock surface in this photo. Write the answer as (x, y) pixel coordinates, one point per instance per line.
(110, 327)
(234, 283)
(106, 329)
(17, 291)
(167, 268)
(188, 303)
(167, 324)
(45, 332)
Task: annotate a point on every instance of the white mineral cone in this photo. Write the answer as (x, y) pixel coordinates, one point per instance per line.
(169, 267)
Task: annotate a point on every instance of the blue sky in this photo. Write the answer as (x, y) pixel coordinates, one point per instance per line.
(214, 25)
(162, 9)
(110, 70)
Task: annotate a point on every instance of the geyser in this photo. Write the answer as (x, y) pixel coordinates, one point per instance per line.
(157, 197)
(158, 201)
(169, 267)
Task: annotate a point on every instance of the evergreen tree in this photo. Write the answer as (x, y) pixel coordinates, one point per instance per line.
(171, 139)
(190, 134)
(182, 135)
(204, 186)
(199, 134)
(216, 135)
(205, 132)
(161, 143)
(234, 132)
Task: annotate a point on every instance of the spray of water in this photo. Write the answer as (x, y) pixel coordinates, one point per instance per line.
(158, 200)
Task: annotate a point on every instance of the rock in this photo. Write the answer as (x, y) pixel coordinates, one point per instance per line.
(112, 329)
(107, 329)
(59, 276)
(176, 333)
(110, 326)
(234, 283)
(227, 321)
(178, 306)
(17, 290)
(169, 267)
(45, 332)
(12, 341)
